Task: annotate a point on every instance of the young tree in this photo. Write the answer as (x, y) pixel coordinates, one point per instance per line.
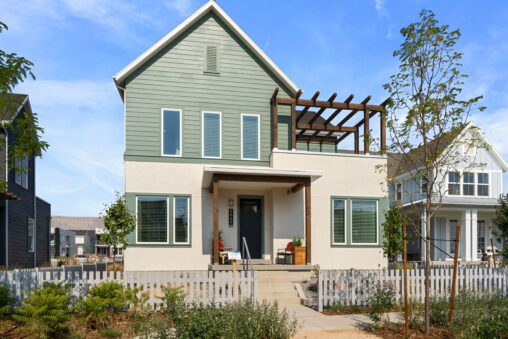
(501, 222)
(392, 231)
(119, 223)
(13, 70)
(424, 119)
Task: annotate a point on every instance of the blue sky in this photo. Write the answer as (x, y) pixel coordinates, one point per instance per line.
(330, 46)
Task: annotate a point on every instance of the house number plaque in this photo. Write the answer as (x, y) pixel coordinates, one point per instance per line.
(230, 217)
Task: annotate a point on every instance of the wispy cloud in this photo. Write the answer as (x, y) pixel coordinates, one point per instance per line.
(182, 7)
(380, 7)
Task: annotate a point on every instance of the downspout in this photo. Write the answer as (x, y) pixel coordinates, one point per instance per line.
(35, 219)
(6, 208)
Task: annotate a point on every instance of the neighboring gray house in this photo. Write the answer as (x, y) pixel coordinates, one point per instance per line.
(85, 230)
(63, 243)
(470, 195)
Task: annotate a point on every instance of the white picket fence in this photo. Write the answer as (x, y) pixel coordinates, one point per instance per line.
(200, 286)
(356, 287)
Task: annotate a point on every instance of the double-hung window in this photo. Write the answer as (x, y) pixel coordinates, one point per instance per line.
(21, 171)
(398, 191)
(152, 220)
(364, 221)
(250, 136)
(453, 183)
(181, 220)
(468, 184)
(483, 185)
(339, 221)
(171, 132)
(212, 136)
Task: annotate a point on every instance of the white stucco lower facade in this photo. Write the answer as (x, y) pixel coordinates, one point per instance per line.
(283, 212)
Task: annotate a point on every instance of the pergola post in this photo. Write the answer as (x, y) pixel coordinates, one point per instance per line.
(215, 187)
(293, 127)
(357, 141)
(366, 131)
(382, 129)
(308, 221)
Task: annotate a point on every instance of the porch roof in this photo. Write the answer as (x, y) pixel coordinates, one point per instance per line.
(209, 171)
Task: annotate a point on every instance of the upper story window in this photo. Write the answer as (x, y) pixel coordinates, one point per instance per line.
(483, 184)
(398, 191)
(250, 136)
(453, 183)
(211, 59)
(21, 171)
(172, 132)
(468, 184)
(212, 135)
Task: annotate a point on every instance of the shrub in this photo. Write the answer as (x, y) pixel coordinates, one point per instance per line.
(6, 300)
(381, 302)
(173, 302)
(415, 310)
(46, 310)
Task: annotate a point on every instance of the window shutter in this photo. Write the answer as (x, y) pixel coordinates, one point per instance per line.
(152, 219)
(211, 59)
(211, 135)
(250, 137)
(338, 221)
(364, 218)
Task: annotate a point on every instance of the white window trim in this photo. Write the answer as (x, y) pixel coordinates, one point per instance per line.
(345, 222)
(162, 132)
(188, 221)
(203, 134)
(454, 183)
(461, 182)
(377, 223)
(241, 135)
(167, 222)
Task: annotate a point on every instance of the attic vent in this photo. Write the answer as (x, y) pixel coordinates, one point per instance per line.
(211, 57)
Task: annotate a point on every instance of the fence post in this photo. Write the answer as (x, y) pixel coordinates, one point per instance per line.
(406, 303)
(320, 291)
(454, 281)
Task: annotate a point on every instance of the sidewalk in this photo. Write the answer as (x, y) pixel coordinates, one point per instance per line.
(318, 325)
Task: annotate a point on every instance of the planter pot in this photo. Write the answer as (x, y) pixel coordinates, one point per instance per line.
(299, 257)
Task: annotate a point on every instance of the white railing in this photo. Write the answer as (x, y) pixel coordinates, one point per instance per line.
(200, 286)
(356, 287)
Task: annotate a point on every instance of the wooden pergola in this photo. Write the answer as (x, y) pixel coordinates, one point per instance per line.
(317, 129)
(8, 196)
(298, 183)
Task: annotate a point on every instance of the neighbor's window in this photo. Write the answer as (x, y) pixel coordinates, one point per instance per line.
(211, 135)
(398, 191)
(483, 184)
(453, 235)
(31, 238)
(181, 220)
(468, 184)
(364, 221)
(481, 235)
(172, 132)
(453, 183)
(152, 220)
(339, 221)
(21, 171)
(250, 137)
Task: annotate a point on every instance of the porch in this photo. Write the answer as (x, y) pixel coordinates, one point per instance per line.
(267, 206)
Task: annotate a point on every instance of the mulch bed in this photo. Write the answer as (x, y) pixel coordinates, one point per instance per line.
(398, 331)
(121, 322)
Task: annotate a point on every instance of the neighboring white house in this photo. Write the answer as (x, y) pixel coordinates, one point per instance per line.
(470, 194)
(218, 140)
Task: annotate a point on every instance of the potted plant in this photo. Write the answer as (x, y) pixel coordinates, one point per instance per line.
(221, 242)
(299, 257)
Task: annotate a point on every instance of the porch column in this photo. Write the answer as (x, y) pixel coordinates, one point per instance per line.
(474, 235)
(466, 239)
(215, 187)
(423, 231)
(308, 221)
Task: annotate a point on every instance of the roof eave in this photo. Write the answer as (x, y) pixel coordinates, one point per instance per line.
(121, 76)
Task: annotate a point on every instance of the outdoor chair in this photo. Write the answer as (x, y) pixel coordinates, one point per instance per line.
(285, 255)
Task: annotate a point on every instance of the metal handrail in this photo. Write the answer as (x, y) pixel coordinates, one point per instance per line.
(245, 250)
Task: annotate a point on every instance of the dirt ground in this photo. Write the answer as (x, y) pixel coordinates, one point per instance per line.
(340, 334)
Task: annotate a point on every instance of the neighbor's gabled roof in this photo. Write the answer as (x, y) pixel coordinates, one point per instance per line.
(210, 6)
(11, 104)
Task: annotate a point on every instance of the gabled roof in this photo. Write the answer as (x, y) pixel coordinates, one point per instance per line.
(77, 223)
(11, 104)
(210, 6)
(396, 161)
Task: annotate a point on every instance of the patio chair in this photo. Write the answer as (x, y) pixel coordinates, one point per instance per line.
(285, 255)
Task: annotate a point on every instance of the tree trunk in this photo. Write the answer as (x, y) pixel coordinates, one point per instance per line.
(427, 272)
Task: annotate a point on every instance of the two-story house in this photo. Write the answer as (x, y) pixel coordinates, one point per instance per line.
(24, 218)
(469, 192)
(220, 142)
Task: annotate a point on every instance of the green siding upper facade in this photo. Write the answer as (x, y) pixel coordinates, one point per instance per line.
(176, 79)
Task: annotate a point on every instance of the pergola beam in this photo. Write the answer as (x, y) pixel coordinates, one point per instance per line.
(305, 109)
(326, 104)
(350, 115)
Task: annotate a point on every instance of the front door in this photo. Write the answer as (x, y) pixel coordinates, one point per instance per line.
(250, 225)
